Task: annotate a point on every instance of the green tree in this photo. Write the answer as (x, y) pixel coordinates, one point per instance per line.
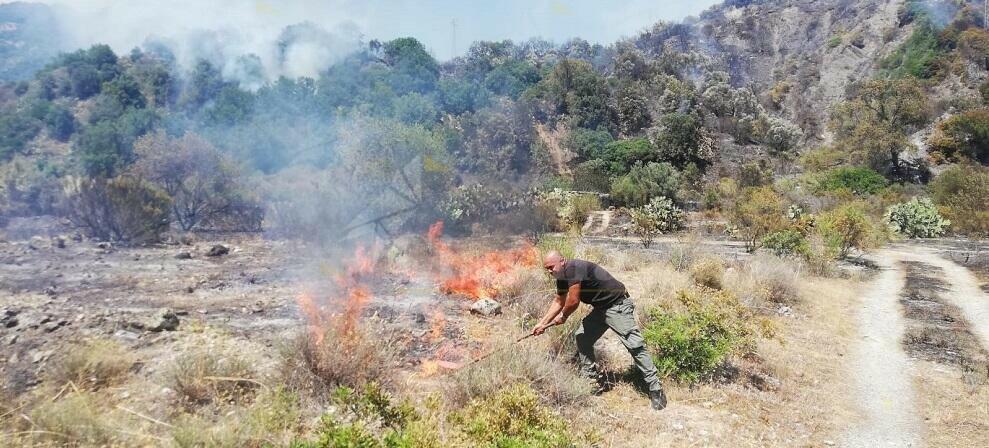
(680, 140)
(964, 135)
(644, 182)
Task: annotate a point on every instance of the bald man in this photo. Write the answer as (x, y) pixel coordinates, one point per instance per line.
(582, 281)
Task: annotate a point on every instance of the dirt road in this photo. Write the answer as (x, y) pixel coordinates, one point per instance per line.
(884, 373)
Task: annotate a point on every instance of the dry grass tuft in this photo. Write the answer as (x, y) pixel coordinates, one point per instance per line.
(765, 279)
(657, 286)
(270, 421)
(316, 364)
(594, 254)
(205, 376)
(94, 365)
(708, 271)
(529, 363)
(74, 420)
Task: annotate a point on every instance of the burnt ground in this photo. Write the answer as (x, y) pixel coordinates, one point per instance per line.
(55, 293)
(973, 254)
(936, 330)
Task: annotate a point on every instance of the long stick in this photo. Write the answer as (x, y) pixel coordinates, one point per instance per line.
(485, 356)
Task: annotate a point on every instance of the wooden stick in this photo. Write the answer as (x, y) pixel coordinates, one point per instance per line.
(150, 419)
(230, 378)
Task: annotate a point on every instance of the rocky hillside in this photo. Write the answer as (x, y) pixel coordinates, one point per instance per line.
(29, 39)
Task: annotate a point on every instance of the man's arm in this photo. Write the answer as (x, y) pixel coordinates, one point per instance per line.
(554, 310)
(571, 303)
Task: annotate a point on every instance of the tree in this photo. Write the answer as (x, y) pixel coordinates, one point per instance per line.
(680, 140)
(782, 138)
(413, 69)
(759, 212)
(122, 209)
(964, 135)
(962, 192)
(644, 182)
(204, 84)
(202, 182)
(873, 125)
(101, 151)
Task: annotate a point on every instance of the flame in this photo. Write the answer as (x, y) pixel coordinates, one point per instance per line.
(477, 276)
(350, 291)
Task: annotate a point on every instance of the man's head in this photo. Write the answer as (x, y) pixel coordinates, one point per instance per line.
(553, 262)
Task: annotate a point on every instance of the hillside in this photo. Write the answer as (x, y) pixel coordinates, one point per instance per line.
(29, 38)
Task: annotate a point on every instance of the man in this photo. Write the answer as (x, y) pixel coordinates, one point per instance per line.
(582, 281)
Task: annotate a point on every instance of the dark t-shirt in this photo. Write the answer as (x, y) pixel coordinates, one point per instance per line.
(597, 287)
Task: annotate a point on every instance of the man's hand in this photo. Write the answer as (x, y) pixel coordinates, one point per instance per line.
(540, 329)
(560, 320)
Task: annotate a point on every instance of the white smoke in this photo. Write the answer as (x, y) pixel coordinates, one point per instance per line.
(248, 39)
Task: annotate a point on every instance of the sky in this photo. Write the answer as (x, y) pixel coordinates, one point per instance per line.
(126, 23)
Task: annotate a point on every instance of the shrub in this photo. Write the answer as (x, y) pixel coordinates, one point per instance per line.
(124, 208)
(205, 376)
(512, 418)
(367, 418)
(858, 180)
(202, 182)
(592, 175)
(93, 365)
(530, 365)
(689, 345)
(918, 218)
(16, 130)
(786, 243)
(322, 359)
(74, 420)
(572, 209)
(846, 228)
(764, 279)
(758, 212)
(658, 217)
(708, 272)
(964, 135)
(645, 182)
(680, 140)
(918, 55)
(622, 155)
(962, 192)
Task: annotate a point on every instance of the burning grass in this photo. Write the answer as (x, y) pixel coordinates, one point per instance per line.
(477, 275)
(337, 356)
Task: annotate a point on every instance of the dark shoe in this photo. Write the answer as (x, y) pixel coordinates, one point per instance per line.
(658, 399)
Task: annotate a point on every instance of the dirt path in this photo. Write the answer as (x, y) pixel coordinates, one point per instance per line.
(880, 368)
(964, 291)
(597, 223)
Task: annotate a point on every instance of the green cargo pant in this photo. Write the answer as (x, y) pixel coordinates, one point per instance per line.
(620, 317)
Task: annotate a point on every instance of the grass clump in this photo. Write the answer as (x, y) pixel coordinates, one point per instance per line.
(764, 279)
(318, 362)
(94, 365)
(690, 343)
(512, 418)
(528, 364)
(708, 272)
(566, 245)
(269, 421)
(74, 420)
(204, 376)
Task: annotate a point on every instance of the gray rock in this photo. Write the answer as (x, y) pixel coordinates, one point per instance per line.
(765, 382)
(37, 243)
(163, 319)
(218, 250)
(183, 256)
(105, 245)
(12, 339)
(59, 242)
(126, 335)
(486, 307)
(40, 355)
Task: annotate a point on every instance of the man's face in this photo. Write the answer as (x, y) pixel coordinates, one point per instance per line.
(554, 267)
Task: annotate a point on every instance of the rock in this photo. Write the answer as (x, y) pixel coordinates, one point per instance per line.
(183, 256)
(55, 325)
(8, 318)
(126, 335)
(51, 291)
(59, 241)
(12, 339)
(105, 245)
(40, 355)
(765, 382)
(486, 307)
(163, 319)
(218, 250)
(38, 243)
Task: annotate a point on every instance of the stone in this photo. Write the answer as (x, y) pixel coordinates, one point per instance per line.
(59, 242)
(12, 339)
(126, 335)
(163, 319)
(105, 245)
(37, 243)
(40, 355)
(183, 256)
(218, 250)
(55, 325)
(765, 382)
(486, 307)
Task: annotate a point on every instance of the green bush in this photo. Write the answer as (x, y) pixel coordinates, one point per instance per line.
(659, 216)
(858, 180)
(965, 135)
(622, 155)
(645, 182)
(758, 212)
(918, 56)
(512, 418)
(592, 175)
(16, 130)
(786, 242)
(690, 344)
(962, 192)
(123, 209)
(918, 218)
(846, 228)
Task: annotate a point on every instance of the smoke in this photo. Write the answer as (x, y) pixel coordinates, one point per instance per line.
(252, 41)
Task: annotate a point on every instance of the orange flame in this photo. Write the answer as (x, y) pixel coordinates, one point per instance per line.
(350, 291)
(477, 276)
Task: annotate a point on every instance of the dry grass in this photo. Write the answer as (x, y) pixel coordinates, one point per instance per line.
(956, 414)
(270, 421)
(764, 281)
(205, 376)
(316, 364)
(655, 285)
(74, 420)
(93, 365)
(708, 271)
(530, 362)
